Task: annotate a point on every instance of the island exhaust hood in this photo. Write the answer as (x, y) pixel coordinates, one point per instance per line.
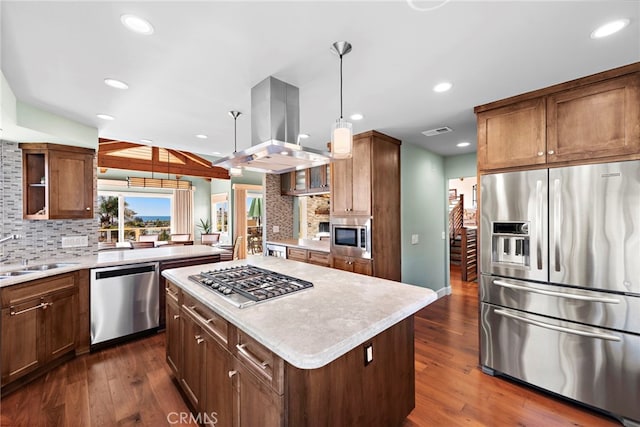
(275, 125)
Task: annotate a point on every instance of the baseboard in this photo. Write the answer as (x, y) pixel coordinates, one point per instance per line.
(443, 292)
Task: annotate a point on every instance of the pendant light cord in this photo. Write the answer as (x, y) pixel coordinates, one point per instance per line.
(235, 138)
(340, 86)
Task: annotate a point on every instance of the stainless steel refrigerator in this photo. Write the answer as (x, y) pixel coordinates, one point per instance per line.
(560, 282)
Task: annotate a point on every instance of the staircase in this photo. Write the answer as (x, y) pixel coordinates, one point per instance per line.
(463, 242)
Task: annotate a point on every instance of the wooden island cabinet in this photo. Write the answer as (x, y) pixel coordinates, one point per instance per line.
(260, 365)
(591, 119)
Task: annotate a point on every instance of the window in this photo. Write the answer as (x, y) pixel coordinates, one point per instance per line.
(125, 216)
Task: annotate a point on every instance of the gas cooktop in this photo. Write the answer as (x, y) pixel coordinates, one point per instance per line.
(247, 285)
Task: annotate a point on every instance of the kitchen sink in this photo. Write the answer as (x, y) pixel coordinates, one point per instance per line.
(44, 267)
(14, 273)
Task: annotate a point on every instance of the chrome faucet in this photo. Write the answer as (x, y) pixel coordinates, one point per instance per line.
(10, 237)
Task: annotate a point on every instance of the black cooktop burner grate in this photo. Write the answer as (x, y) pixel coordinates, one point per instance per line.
(254, 283)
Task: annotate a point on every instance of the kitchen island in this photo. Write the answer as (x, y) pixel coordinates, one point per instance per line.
(340, 353)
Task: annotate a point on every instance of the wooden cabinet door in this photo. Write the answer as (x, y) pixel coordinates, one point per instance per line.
(254, 402)
(341, 186)
(60, 323)
(362, 266)
(297, 254)
(173, 344)
(317, 178)
(217, 400)
(71, 185)
(594, 121)
(22, 339)
(512, 136)
(286, 183)
(361, 177)
(341, 263)
(192, 358)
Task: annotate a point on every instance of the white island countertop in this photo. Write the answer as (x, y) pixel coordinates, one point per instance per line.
(311, 328)
(109, 259)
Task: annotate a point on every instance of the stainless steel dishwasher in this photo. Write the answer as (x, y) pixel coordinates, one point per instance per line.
(124, 301)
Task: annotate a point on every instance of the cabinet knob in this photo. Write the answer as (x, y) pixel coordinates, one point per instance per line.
(200, 340)
(540, 153)
(176, 316)
(232, 373)
(88, 208)
(550, 152)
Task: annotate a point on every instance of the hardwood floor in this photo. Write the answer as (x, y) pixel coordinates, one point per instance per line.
(451, 390)
(131, 384)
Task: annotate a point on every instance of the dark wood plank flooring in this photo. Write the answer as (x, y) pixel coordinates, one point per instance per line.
(131, 384)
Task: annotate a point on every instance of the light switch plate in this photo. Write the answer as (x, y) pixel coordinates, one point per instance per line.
(414, 239)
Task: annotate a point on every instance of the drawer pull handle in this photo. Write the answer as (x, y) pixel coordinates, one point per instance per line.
(242, 349)
(551, 151)
(42, 305)
(232, 373)
(540, 153)
(210, 321)
(176, 316)
(199, 339)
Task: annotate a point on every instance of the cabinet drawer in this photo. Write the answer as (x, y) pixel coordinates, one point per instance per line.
(260, 360)
(297, 254)
(17, 294)
(209, 320)
(319, 258)
(173, 291)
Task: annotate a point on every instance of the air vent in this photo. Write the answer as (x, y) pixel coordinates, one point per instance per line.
(437, 131)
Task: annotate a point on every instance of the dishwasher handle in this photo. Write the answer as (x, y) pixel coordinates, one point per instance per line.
(125, 271)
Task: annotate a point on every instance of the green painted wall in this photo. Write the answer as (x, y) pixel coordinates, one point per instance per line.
(463, 165)
(423, 212)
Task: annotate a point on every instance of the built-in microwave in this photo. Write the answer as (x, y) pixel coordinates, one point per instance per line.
(351, 236)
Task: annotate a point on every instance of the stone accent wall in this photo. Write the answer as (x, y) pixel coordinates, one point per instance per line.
(41, 239)
(278, 210)
(316, 208)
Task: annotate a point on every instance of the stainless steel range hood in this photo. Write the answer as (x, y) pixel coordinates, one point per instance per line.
(275, 125)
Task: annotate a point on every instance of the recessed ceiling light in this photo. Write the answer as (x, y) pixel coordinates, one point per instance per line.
(442, 87)
(146, 141)
(609, 28)
(201, 136)
(463, 144)
(105, 117)
(357, 116)
(137, 24)
(118, 84)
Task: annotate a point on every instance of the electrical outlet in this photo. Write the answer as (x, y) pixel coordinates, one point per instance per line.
(368, 354)
(276, 229)
(443, 236)
(75, 241)
(414, 239)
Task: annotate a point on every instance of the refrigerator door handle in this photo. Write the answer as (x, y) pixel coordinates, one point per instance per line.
(504, 284)
(539, 207)
(557, 215)
(602, 336)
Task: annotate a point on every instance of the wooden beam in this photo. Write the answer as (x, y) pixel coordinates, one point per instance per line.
(193, 165)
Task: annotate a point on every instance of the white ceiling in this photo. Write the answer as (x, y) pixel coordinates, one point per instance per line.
(205, 56)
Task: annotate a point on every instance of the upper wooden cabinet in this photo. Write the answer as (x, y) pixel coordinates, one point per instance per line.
(351, 181)
(512, 136)
(305, 181)
(598, 120)
(592, 118)
(57, 181)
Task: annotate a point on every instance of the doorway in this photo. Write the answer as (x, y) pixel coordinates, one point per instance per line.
(243, 195)
(463, 225)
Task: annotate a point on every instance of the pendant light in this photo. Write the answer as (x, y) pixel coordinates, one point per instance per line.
(342, 132)
(235, 171)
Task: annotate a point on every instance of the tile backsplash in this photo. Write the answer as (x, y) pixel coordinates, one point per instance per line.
(279, 210)
(41, 239)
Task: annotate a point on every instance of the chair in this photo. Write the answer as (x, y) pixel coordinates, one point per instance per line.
(148, 238)
(210, 238)
(142, 245)
(180, 237)
(231, 251)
